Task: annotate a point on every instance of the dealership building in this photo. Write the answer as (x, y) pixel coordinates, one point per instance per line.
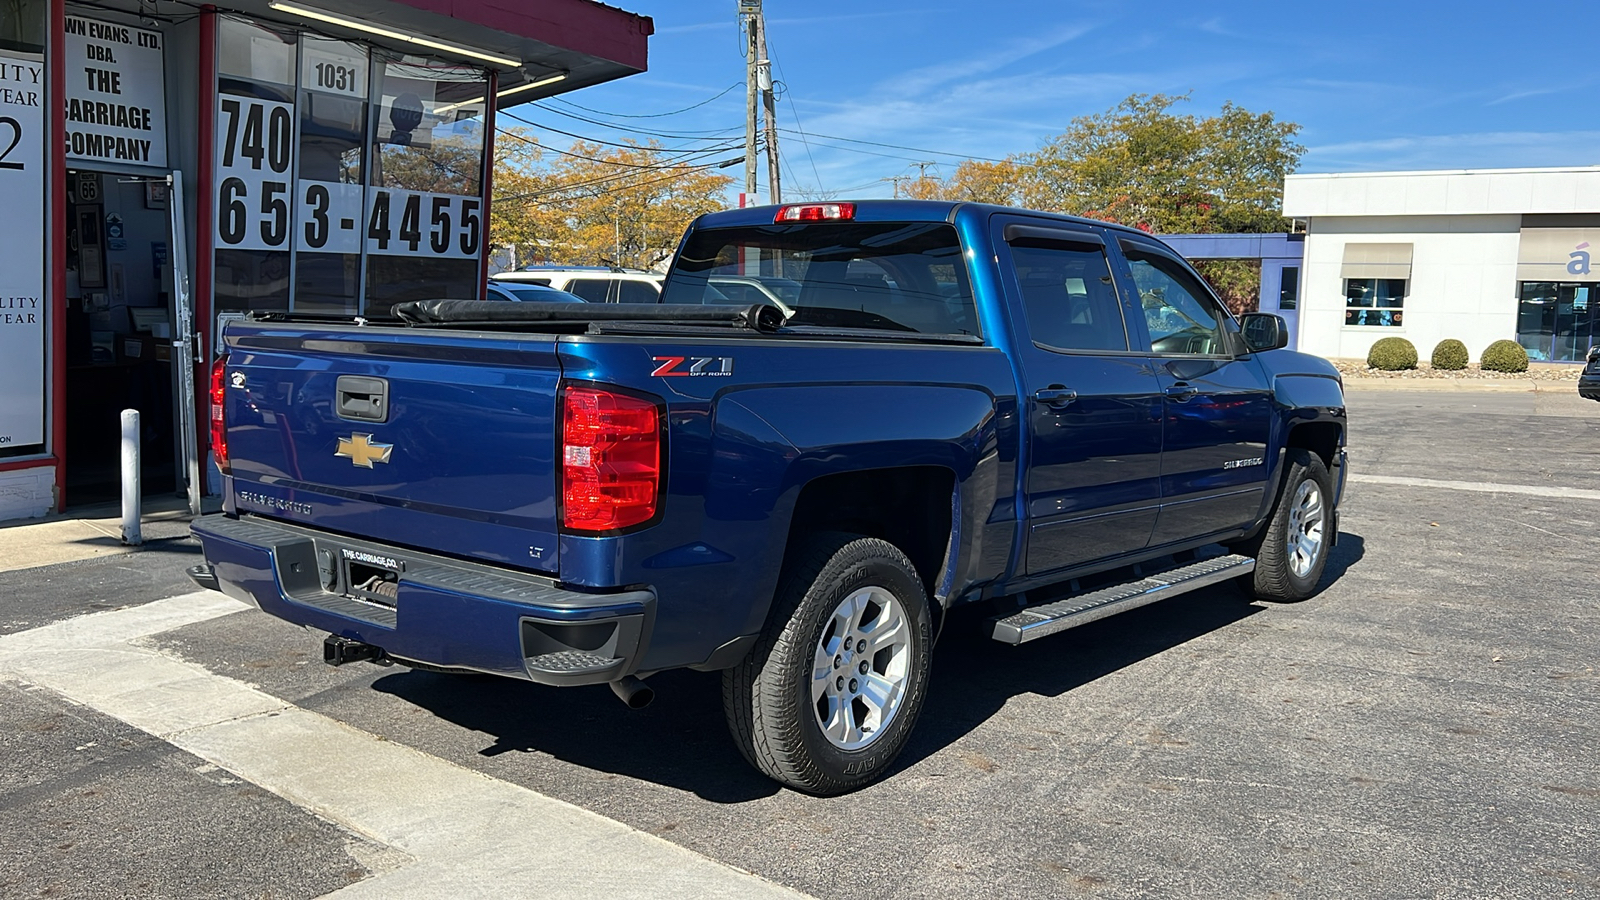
(166, 166)
(1476, 255)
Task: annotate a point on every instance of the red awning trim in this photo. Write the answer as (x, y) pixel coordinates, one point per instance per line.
(582, 25)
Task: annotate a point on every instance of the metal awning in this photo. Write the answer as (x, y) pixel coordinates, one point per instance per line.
(583, 41)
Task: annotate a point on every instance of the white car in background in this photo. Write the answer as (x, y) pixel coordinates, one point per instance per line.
(596, 284)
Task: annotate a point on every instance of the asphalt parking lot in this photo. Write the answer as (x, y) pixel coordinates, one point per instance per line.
(1426, 726)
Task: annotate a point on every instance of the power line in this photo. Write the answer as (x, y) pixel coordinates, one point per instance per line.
(690, 135)
(675, 112)
(834, 137)
(910, 159)
(680, 152)
(677, 171)
(579, 137)
(804, 140)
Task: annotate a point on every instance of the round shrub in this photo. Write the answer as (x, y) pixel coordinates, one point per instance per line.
(1504, 356)
(1391, 354)
(1451, 355)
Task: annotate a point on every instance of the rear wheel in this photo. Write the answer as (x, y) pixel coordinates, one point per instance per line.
(828, 697)
(1292, 549)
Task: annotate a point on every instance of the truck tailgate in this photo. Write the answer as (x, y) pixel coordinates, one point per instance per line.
(411, 437)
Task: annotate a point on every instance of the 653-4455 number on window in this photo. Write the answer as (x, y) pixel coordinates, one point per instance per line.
(415, 223)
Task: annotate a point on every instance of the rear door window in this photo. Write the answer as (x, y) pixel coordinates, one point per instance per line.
(637, 292)
(889, 276)
(593, 290)
(1069, 298)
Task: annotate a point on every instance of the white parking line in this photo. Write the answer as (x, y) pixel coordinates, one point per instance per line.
(1482, 487)
(470, 835)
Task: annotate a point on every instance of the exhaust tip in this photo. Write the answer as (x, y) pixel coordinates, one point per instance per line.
(634, 694)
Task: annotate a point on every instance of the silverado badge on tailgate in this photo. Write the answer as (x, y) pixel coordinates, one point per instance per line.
(363, 451)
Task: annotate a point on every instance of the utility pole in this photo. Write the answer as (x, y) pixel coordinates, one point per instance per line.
(750, 14)
(769, 105)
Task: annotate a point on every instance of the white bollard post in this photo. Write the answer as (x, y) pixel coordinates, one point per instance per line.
(130, 478)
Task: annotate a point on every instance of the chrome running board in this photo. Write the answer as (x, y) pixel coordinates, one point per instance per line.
(1058, 615)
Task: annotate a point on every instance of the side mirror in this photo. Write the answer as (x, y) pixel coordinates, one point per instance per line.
(1264, 331)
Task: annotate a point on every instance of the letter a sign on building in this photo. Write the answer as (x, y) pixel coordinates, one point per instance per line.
(22, 306)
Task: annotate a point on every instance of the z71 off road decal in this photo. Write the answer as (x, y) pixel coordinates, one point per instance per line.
(671, 366)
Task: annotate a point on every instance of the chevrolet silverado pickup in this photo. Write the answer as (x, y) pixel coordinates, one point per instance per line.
(953, 404)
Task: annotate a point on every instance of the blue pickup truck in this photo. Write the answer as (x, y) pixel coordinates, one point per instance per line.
(934, 404)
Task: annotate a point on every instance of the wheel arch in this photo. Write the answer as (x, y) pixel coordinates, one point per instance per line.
(916, 508)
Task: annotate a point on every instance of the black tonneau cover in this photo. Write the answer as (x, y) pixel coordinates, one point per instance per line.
(459, 313)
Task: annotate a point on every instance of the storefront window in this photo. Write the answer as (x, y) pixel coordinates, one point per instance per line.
(347, 179)
(1558, 321)
(331, 172)
(1289, 291)
(425, 222)
(22, 25)
(1374, 301)
(253, 167)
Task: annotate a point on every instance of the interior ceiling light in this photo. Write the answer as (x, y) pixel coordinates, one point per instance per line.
(359, 25)
(548, 79)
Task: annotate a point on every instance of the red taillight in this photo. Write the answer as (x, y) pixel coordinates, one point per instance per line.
(816, 212)
(610, 460)
(219, 424)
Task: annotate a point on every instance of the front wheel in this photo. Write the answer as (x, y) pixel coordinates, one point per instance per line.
(1292, 550)
(827, 699)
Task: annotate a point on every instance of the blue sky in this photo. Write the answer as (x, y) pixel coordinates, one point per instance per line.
(1376, 86)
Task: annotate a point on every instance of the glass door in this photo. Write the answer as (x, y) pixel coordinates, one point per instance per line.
(1558, 321)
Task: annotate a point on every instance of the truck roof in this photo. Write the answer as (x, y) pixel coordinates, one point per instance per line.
(896, 211)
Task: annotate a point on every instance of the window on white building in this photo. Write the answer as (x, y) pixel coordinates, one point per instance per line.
(1374, 301)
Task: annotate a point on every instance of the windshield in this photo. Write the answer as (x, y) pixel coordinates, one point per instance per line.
(892, 276)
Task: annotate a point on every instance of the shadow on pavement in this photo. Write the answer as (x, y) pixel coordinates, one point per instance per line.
(681, 740)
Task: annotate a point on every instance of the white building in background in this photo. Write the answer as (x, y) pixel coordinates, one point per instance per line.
(1477, 255)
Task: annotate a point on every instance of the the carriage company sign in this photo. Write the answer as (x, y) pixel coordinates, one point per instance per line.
(116, 93)
(22, 306)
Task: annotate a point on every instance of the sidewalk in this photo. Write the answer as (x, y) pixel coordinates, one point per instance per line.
(1495, 385)
(87, 532)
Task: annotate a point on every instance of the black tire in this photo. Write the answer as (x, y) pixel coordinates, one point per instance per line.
(768, 698)
(1278, 576)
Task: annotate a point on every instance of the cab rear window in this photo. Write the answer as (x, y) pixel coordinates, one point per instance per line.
(892, 276)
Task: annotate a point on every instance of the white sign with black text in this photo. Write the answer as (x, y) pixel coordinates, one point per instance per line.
(333, 67)
(22, 299)
(415, 223)
(116, 93)
(255, 144)
(330, 217)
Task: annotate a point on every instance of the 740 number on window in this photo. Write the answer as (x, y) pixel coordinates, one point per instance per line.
(406, 223)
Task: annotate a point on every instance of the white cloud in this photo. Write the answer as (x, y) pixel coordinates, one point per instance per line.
(1489, 149)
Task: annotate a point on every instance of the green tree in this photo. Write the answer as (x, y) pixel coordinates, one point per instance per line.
(1142, 164)
(592, 204)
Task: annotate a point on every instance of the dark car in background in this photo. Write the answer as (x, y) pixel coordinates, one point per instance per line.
(1589, 381)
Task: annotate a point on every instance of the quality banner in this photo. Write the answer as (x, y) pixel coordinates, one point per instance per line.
(22, 251)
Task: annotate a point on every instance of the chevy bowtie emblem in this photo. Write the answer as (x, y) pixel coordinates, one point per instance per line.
(363, 451)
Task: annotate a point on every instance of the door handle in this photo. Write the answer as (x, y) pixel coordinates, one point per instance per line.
(1055, 396)
(1181, 392)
